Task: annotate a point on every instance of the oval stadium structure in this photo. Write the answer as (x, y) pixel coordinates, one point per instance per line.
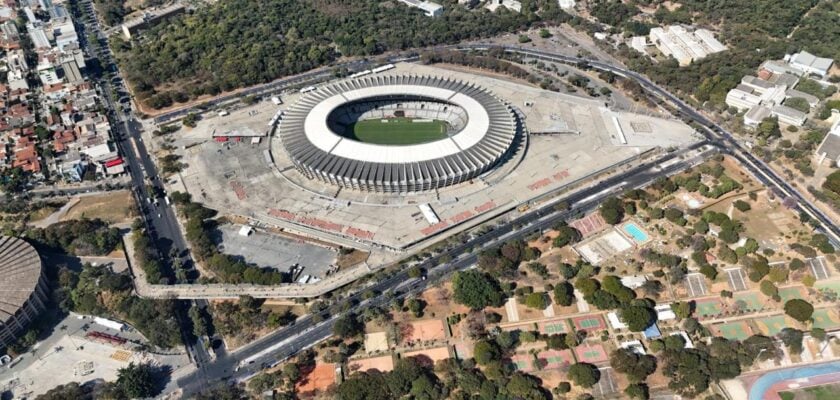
(398, 134)
(23, 288)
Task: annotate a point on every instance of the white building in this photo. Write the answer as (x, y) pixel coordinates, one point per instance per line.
(429, 8)
(742, 98)
(684, 45)
(512, 5)
(639, 43)
(789, 115)
(810, 64)
(830, 146)
(755, 115)
(566, 4)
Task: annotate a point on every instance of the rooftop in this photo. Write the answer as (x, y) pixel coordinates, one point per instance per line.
(20, 270)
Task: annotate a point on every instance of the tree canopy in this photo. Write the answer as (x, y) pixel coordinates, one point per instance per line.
(476, 290)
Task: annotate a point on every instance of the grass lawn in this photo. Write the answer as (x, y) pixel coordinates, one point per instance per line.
(396, 131)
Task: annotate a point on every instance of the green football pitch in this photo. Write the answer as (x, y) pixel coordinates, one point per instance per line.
(396, 131)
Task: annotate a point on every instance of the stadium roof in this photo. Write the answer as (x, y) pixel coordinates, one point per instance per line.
(20, 271)
(318, 151)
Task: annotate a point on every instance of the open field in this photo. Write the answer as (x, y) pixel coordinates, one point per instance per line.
(396, 131)
(114, 207)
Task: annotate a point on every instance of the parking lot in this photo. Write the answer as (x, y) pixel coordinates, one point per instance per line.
(269, 250)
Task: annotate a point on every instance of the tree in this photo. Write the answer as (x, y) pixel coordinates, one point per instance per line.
(769, 128)
(612, 210)
(637, 318)
(537, 300)
(137, 381)
(636, 367)
(682, 309)
(818, 333)
(792, 338)
(799, 310)
(637, 391)
(742, 205)
(486, 352)
(348, 326)
(566, 235)
(525, 387)
(564, 294)
(587, 286)
(769, 289)
(476, 290)
(584, 374)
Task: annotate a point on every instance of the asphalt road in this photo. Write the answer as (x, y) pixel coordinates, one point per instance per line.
(159, 218)
(283, 343)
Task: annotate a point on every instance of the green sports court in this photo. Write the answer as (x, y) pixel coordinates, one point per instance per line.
(553, 359)
(739, 330)
(826, 319)
(522, 362)
(591, 354)
(709, 308)
(553, 327)
(396, 131)
(751, 299)
(589, 323)
(790, 293)
(833, 286)
(771, 326)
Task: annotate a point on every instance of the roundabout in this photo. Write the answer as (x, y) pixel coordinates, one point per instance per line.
(398, 134)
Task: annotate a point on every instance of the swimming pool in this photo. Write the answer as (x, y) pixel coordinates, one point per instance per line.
(763, 384)
(637, 233)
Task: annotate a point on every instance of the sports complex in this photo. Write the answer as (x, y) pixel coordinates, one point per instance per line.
(392, 162)
(397, 134)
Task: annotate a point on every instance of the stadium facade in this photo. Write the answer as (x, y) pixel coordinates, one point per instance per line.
(481, 132)
(23, 288)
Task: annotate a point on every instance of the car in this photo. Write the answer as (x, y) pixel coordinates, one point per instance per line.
(158, 215)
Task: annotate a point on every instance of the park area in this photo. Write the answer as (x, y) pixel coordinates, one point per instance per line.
(396, 131)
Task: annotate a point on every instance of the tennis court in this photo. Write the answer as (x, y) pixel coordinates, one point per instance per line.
(771, 326)
(607, 385)
(589, 324)
(739, 330)
(552, 327)
(696, 285)
(736, 279)
(522, 362)
(709, 308)
(790, 293)
(589, 224)
(818, 267)
(833, 286)
(751, 301)
(826, 319)
(554, 359)
(591, 353)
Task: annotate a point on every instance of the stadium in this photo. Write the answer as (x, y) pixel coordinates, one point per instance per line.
(23, 288)
(398, 134)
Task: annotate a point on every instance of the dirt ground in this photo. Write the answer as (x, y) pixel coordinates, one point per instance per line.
(439, 302)
(420, 331)
(377, 341)
(352, 258)
(114, 207)
(381, 364)
(429, 356)
(317, 380)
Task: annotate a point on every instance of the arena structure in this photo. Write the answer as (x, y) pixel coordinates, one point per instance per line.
(23, 288)
(398, 133)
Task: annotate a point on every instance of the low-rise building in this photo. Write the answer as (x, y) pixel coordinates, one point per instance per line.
(755, 115)
(789, 115)
(512, 5)
(810, 64)
(429, 8)
(684, 45)
(830, 147)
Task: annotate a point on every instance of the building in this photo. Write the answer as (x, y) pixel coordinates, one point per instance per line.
(639, 43)
(742, 98)
(23, 288)
(810, 64)
(429, 8)
(481, 131)
(789, 115)
(566, 4)
(151, 18)
(755, 115)
(512, 5)
(830, 146)
(683, 45)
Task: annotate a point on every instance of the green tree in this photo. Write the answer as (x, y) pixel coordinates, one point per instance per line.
(799, 310)
(348, 326)
(537, 300)
(486, 352)
(682, 309)
(636, 367)
(612, 210)
(137, 381)
(637, 318)
(564, 294)
(476, 290)
(584, 374)
(637, 391)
